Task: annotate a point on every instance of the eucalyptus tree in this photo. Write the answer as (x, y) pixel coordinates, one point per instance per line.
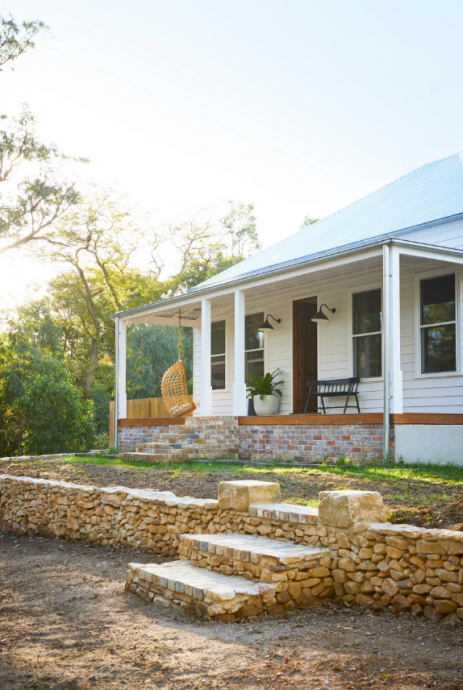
(94, 246)
(16, 38)
(36, 184)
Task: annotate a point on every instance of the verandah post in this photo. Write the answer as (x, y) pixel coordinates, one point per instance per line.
(392, 372)
(205, 402)
(239, 386)
(120, 393)
(386, 336)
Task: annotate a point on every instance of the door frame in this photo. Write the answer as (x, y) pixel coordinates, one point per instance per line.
(300, 297)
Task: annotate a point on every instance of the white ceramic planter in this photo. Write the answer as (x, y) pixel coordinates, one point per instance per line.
(269, 405)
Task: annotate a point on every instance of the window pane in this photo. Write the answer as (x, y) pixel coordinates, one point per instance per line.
(438, 300)
(255, 354)
(218, 373)
(367, 356)
(367, 311)
(254, 368)
(218, 337)
(253, 339)
(438, 349)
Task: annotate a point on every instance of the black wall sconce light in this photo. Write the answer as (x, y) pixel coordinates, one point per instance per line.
(320, 316)
(266, 325)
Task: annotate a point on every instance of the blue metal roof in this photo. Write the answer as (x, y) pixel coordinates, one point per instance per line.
(425, 196)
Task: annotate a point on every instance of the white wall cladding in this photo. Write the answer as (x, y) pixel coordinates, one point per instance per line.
(445, 235)
(442, 394)
(429, 443)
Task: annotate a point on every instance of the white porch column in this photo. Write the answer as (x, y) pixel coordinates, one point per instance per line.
(205, 400)
(120, 393)
(392, 373)
(395, 371)
(239, 387)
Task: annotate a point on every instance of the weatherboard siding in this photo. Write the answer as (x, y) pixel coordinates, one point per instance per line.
(442, 394)
(433, 394)
(444, 235)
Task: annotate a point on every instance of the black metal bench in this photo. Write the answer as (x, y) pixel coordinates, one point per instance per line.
(336, 388)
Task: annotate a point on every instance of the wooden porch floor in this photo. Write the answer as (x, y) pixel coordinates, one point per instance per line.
(311, 419)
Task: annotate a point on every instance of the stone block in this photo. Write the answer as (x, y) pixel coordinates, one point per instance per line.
(346, 509)
(445, 606)
(239, 495)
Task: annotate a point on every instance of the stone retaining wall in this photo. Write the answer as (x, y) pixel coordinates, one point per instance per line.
(371, 563)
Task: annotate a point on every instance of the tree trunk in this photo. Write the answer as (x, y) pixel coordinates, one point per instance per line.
(20, 435)
(95, 348)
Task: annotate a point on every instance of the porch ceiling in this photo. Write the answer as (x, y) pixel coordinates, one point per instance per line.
(191, 313)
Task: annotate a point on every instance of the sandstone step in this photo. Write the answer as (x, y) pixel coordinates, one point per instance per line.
(144, 457)
(168, 443)
(203, 592)
(286, 512)
(259, 559)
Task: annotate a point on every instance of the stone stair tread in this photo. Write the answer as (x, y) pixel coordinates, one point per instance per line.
(141, 456)
(284, 511)
(286, 552)
(184, 578)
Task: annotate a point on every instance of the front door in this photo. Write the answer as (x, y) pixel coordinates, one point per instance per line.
(304, 352)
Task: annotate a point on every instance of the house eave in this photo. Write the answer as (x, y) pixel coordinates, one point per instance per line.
(278, 269)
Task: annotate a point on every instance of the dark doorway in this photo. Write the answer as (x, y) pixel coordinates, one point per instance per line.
(304, 352)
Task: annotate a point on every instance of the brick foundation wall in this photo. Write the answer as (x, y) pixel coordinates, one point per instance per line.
(361, 442)
(221, 437)
(200, 437)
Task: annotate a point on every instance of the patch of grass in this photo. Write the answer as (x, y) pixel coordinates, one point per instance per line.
(310, 502)
(385, 473)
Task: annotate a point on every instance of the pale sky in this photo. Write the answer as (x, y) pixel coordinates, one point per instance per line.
(296, 106)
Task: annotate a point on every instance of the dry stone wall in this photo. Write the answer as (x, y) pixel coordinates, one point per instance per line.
(370, 562)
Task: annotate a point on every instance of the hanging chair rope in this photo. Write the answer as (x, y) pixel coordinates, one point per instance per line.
(174, 387)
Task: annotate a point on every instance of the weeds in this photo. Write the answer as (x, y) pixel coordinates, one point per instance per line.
(432, 473)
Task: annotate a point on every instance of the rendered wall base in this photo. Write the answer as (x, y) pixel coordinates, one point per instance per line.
(426, 443)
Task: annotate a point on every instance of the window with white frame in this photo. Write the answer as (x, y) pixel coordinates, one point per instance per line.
(218, 355)
(438, 324)
(366, 333)
(254, 346)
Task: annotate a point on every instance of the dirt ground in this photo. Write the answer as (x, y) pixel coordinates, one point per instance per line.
(66, 622)
(414, 501)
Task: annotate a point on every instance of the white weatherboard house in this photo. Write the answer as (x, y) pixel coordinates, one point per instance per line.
(390, 268)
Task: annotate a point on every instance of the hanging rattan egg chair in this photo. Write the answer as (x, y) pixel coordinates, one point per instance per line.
(173, 386)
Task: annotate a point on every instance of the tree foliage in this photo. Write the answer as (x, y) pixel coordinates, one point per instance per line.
(308, 221)
(40, 407)
(36, 191)
(207, 247)
(17, 37)
(56, 419)
(151, 350)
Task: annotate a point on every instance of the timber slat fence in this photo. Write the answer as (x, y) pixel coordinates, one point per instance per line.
(145, 408)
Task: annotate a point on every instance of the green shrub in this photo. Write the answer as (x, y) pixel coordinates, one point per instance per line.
(56, 419)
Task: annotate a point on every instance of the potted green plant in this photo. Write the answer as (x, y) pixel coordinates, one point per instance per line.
(265, 392)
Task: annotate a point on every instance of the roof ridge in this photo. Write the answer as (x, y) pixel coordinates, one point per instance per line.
(389, 184)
